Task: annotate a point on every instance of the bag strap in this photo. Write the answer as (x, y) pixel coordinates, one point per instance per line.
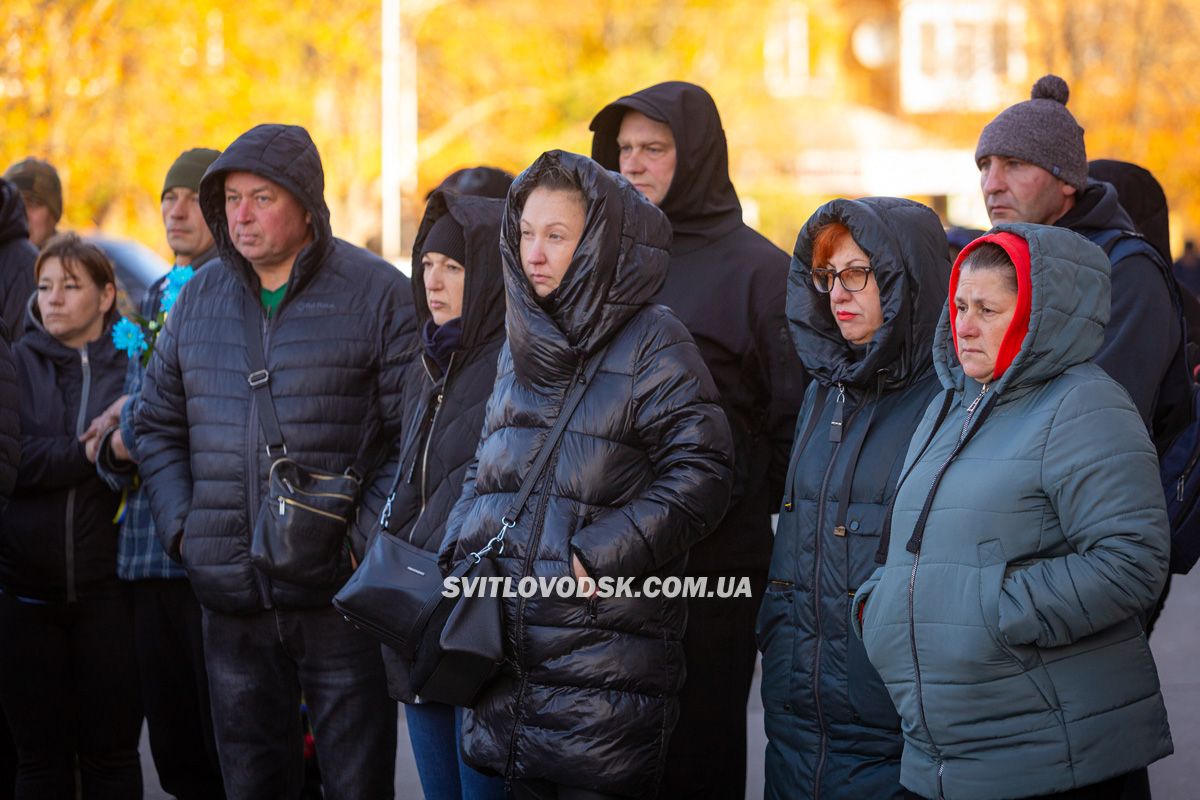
(259, 378)
(260, 388)
(814, 415)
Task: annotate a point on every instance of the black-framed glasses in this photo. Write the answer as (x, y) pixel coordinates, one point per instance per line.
(854, 279)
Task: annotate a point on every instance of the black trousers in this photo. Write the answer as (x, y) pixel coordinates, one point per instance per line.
(170, 655)
(707, 754)
(68, 684)
(1105, 790)
(541, 790)
(8, 760)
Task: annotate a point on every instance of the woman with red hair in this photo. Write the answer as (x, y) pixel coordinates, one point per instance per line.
(1028, 535)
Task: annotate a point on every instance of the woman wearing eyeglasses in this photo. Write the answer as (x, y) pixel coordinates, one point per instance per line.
(867, 283)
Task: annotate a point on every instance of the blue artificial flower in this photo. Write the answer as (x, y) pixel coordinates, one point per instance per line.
(176, 278)
(128, 336)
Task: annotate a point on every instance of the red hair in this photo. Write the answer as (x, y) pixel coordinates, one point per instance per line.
(825, 241)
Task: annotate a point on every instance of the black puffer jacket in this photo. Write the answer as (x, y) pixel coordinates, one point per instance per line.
(58, 539)
(443, 412)
(587, 694)
(10, 419)
(727, 284)
(17, 257)
(336, 350)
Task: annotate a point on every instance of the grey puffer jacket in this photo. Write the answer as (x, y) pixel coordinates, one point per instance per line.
(336, 350)
(587, 694)
(1007, 629)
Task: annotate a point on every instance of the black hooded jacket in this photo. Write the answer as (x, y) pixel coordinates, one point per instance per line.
(1143, 339)
(336, 350)
(727, 284)
(587, 693)
(59, 541)
(443, 412)
(10, 419)
(828, 714)
(17, 257)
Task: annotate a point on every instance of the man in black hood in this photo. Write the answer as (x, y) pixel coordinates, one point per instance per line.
(335, 326)
(727, 284)
(17, 256)
(1033, 168)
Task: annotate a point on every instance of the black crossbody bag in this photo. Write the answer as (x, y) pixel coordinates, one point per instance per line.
(454, 644)
(301, 533)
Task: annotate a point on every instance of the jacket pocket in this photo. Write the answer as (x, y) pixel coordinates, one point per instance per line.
(775, 634)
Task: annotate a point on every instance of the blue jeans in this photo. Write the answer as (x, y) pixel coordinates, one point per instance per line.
(259, 664)
(434, 730)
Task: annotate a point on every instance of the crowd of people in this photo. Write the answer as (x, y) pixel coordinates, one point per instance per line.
(961, 437)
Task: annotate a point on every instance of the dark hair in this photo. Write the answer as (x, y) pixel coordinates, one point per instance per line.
(553, 177)
(991, 257)
(825, 241)
(74, 253)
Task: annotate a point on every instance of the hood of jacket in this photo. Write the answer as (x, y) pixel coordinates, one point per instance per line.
(1097, 208)
(1142, 197)
(13, 224)
(618, 266)
(701, 202)
(286, 155)
(483, 284)
(1069, 307)
(911, 263)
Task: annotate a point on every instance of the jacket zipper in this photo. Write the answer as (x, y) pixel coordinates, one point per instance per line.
(287, 501)
(837, 427)
(80, 426)
(534, 542)
(437, 407)
(912, 591)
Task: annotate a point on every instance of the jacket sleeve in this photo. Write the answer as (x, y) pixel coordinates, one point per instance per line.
(1142, 333)
(1105, 489)
(688, 444)
(161, 428)
(398, 331)
(119, 475)
(785, 380)
(10, 421)
(859, 604)
(53, 462)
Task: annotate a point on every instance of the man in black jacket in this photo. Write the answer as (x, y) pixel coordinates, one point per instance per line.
(336, 326)
(1033, 168)
(728, 285)
(17, 257)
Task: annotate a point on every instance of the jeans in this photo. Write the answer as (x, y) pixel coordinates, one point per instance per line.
(170, 655)
(258, 666)
(434, 730)
(69, 687)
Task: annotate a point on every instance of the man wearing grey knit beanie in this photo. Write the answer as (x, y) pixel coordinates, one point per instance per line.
(1033, 168)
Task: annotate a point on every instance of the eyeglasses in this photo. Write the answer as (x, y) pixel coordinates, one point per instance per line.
(854, 279)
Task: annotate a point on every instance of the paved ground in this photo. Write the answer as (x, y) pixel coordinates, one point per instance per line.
(1176, 646)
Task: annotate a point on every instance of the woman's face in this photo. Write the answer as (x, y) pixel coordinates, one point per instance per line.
(551, 225)
(858, 313)
(443, 286)
(985, 303)
(72, 305)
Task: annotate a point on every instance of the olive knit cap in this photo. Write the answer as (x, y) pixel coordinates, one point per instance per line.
(189, 168)
(1041, 131)
(39, 180)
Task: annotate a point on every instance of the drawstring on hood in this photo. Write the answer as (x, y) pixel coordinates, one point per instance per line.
(1017, 250)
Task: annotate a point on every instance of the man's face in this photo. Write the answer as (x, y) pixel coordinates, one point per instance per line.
(268, 225)
(647, 155)
(1017, 191)
(42, 224)
(187, 234)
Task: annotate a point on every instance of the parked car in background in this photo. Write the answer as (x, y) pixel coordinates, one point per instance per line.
(137, 267)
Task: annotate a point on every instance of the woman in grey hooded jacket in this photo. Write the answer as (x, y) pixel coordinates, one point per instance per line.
(1027, 536)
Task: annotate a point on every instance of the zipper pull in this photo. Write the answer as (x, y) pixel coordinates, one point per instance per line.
(835, 427)
(1179, 489)
(386, 516)
(281, 506)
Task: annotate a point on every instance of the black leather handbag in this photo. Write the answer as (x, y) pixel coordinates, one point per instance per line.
(453, 643)
(301, 533)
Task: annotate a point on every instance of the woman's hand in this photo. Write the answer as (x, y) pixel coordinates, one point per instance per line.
(580, 572)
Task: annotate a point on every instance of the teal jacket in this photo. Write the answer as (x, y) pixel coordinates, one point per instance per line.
(1007, 632)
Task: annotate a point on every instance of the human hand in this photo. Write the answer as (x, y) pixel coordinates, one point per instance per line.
(117, 444)
(107, 418)
(581, 573)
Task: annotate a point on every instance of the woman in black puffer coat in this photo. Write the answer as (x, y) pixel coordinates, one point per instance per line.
(586, 699)
(68, 677)
(458, 290)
